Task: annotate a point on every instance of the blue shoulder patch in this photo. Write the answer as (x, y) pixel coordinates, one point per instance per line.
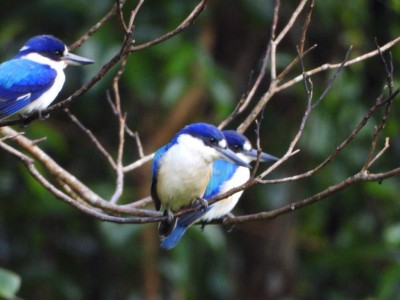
(154, 171)
(156, 159)
(222, 172)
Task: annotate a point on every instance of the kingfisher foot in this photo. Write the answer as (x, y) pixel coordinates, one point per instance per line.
(43, 116)
(203, 225)
(225, 220)
(201, 201)
(166, 227)
(23, 118)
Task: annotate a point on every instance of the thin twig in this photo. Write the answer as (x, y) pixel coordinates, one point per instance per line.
(244, 102)
(293, 63)
(92, 138)
(185, 24)
(120, 172)
(305, 28)
(338, 148)
(94, 28)
(379, 154)
(139, 145)
(326, 67)
(138, 163)
(119, 5)
(378, 129)
(139, 203)
(333, 78)
(272, 45)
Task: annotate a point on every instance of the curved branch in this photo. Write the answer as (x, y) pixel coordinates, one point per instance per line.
(327, 67)
(359, 177)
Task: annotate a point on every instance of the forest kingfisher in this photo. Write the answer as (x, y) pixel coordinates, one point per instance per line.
(225, 176)
(33, 78)
(182, 169)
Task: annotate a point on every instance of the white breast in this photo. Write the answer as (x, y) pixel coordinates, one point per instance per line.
(225, 206)
(184, 173)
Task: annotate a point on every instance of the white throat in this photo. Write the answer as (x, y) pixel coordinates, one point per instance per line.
(197, 148)
(48, 97)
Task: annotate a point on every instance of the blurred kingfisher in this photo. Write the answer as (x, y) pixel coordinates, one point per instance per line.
(225, 176)
(33, 78)
(182, 169)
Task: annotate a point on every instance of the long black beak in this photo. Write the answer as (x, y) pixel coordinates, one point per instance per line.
(73, 59)
(264, 157)
(230, 156)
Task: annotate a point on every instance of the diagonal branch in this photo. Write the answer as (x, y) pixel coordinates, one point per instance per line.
(327, 67)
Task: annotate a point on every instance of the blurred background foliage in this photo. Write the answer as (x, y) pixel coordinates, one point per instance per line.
(345, 247)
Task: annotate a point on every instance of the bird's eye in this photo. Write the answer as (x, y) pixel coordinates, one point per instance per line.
(236, 147)
(59, 53)
(213, 140)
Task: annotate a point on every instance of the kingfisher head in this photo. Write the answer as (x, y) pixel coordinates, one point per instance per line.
(47, 49)
(242, 147)
(207, 141)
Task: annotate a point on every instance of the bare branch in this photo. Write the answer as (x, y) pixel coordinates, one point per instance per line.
(305, 28)
(296, 205)
(326, 67)
(332, 79)
(244, 102)
(94, 28)
(120, 173)
(119, 5)
(138, 163)
(338, 148)
(185, 24)
(271, 44)
(282, 34)
(291, 22)
(379, 154)
(92, 138)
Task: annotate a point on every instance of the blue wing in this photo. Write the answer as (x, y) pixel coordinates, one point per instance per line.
(21, 82)
(222, 172)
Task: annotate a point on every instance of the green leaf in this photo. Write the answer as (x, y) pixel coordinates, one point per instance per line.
(9, 284)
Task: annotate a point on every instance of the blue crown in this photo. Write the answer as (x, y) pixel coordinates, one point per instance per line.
(202, 130)
(43, 44)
